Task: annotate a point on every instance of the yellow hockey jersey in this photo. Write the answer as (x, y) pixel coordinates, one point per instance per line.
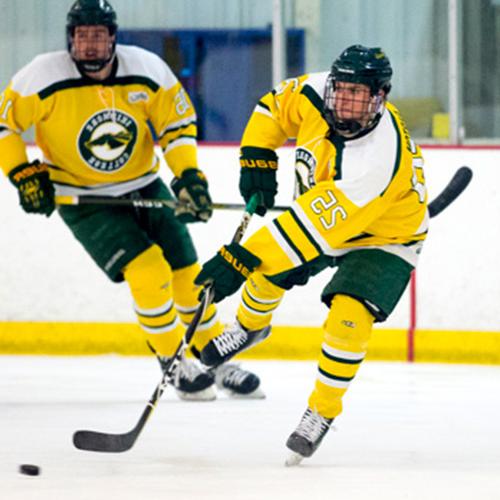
(352, 193)
(97, 136)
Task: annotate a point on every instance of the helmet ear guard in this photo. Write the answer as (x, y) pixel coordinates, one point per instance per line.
(91, 13)
(360, 65)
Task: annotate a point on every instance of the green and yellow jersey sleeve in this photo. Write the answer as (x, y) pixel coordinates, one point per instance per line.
(277, 117)
(174, 119)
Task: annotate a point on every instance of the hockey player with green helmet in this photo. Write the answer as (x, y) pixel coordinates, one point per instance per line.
(92, 107)
(361, 207)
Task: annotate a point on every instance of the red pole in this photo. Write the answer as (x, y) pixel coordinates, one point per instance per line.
(413, 317)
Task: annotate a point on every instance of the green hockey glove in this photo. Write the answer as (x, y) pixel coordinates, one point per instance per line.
(36, 192)
(191, 189)
(258, 175)
(228, 270)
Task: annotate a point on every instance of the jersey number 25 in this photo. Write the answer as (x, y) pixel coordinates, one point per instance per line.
(326, 206)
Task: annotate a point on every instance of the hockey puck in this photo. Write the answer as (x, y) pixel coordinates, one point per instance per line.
(29, 470)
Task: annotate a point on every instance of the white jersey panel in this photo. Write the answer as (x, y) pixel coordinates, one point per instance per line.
(134, 61)
(368, 163)
(53, 67)
(317, 81)
(43, 71)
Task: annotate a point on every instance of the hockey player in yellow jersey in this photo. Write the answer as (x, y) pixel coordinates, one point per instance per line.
(361, 207)
(95, 108)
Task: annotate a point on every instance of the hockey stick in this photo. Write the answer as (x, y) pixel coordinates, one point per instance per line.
(115, 443)
(142, 203)
(107, 442)
(451, 192)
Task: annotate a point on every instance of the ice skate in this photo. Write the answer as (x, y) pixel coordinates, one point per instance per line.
(308, 435)
(192, 382)
(238, 383)
(230, 342)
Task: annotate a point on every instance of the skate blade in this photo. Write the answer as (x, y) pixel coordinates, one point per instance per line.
(257, 394)
(207, 394)
(293, 459)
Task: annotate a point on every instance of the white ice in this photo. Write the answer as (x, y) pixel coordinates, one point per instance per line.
(408, 431)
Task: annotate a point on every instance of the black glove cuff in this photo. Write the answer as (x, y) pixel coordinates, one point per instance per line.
(240, 258)
(188, 177)
(22, 172)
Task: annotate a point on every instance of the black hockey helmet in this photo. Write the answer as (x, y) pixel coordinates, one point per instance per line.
(91, 13)
(358, 64)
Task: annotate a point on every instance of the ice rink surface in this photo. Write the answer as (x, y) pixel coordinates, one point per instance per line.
(421, 431)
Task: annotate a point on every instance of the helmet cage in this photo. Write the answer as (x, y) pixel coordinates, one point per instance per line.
(360, 65)
(373, 110)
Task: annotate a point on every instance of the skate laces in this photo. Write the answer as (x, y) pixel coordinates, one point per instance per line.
(312, 425)
(188, 370)
(230, 340)
(232, 375)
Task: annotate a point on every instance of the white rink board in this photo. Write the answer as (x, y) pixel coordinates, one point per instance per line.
(46, 276)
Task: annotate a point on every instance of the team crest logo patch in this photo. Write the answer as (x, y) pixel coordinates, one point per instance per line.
(305, 167)
(107, 140)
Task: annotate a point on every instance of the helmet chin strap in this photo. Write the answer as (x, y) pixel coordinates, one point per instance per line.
(348, 128)
(91, 65)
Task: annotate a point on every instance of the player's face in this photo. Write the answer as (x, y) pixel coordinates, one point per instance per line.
(353, 102)
(92, 42)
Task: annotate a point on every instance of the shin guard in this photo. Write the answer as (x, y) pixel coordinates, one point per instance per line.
(347, 332)
(150, 280)
(186, 302)
(259, 299)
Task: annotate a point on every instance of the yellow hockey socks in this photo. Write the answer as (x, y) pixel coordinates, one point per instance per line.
(347, 332)
(259, 299)
(150, 280)
(186, 301)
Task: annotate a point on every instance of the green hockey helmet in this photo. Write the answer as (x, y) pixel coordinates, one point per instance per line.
(363, 65)
(91, 13)
(359, 64)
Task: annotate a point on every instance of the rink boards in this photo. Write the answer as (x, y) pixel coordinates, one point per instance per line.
(290, 343)
(54, 300)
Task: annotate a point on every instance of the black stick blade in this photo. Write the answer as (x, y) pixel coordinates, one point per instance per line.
(103, 442)
(117, 443)
(451, 192)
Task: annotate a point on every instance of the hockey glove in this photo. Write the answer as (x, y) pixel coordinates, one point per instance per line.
(191, 189)
(36, 192)
(228, 270)
(258, 175)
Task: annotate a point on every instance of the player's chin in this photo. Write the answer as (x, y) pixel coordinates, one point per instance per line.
(348, 117)
(347, 114)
